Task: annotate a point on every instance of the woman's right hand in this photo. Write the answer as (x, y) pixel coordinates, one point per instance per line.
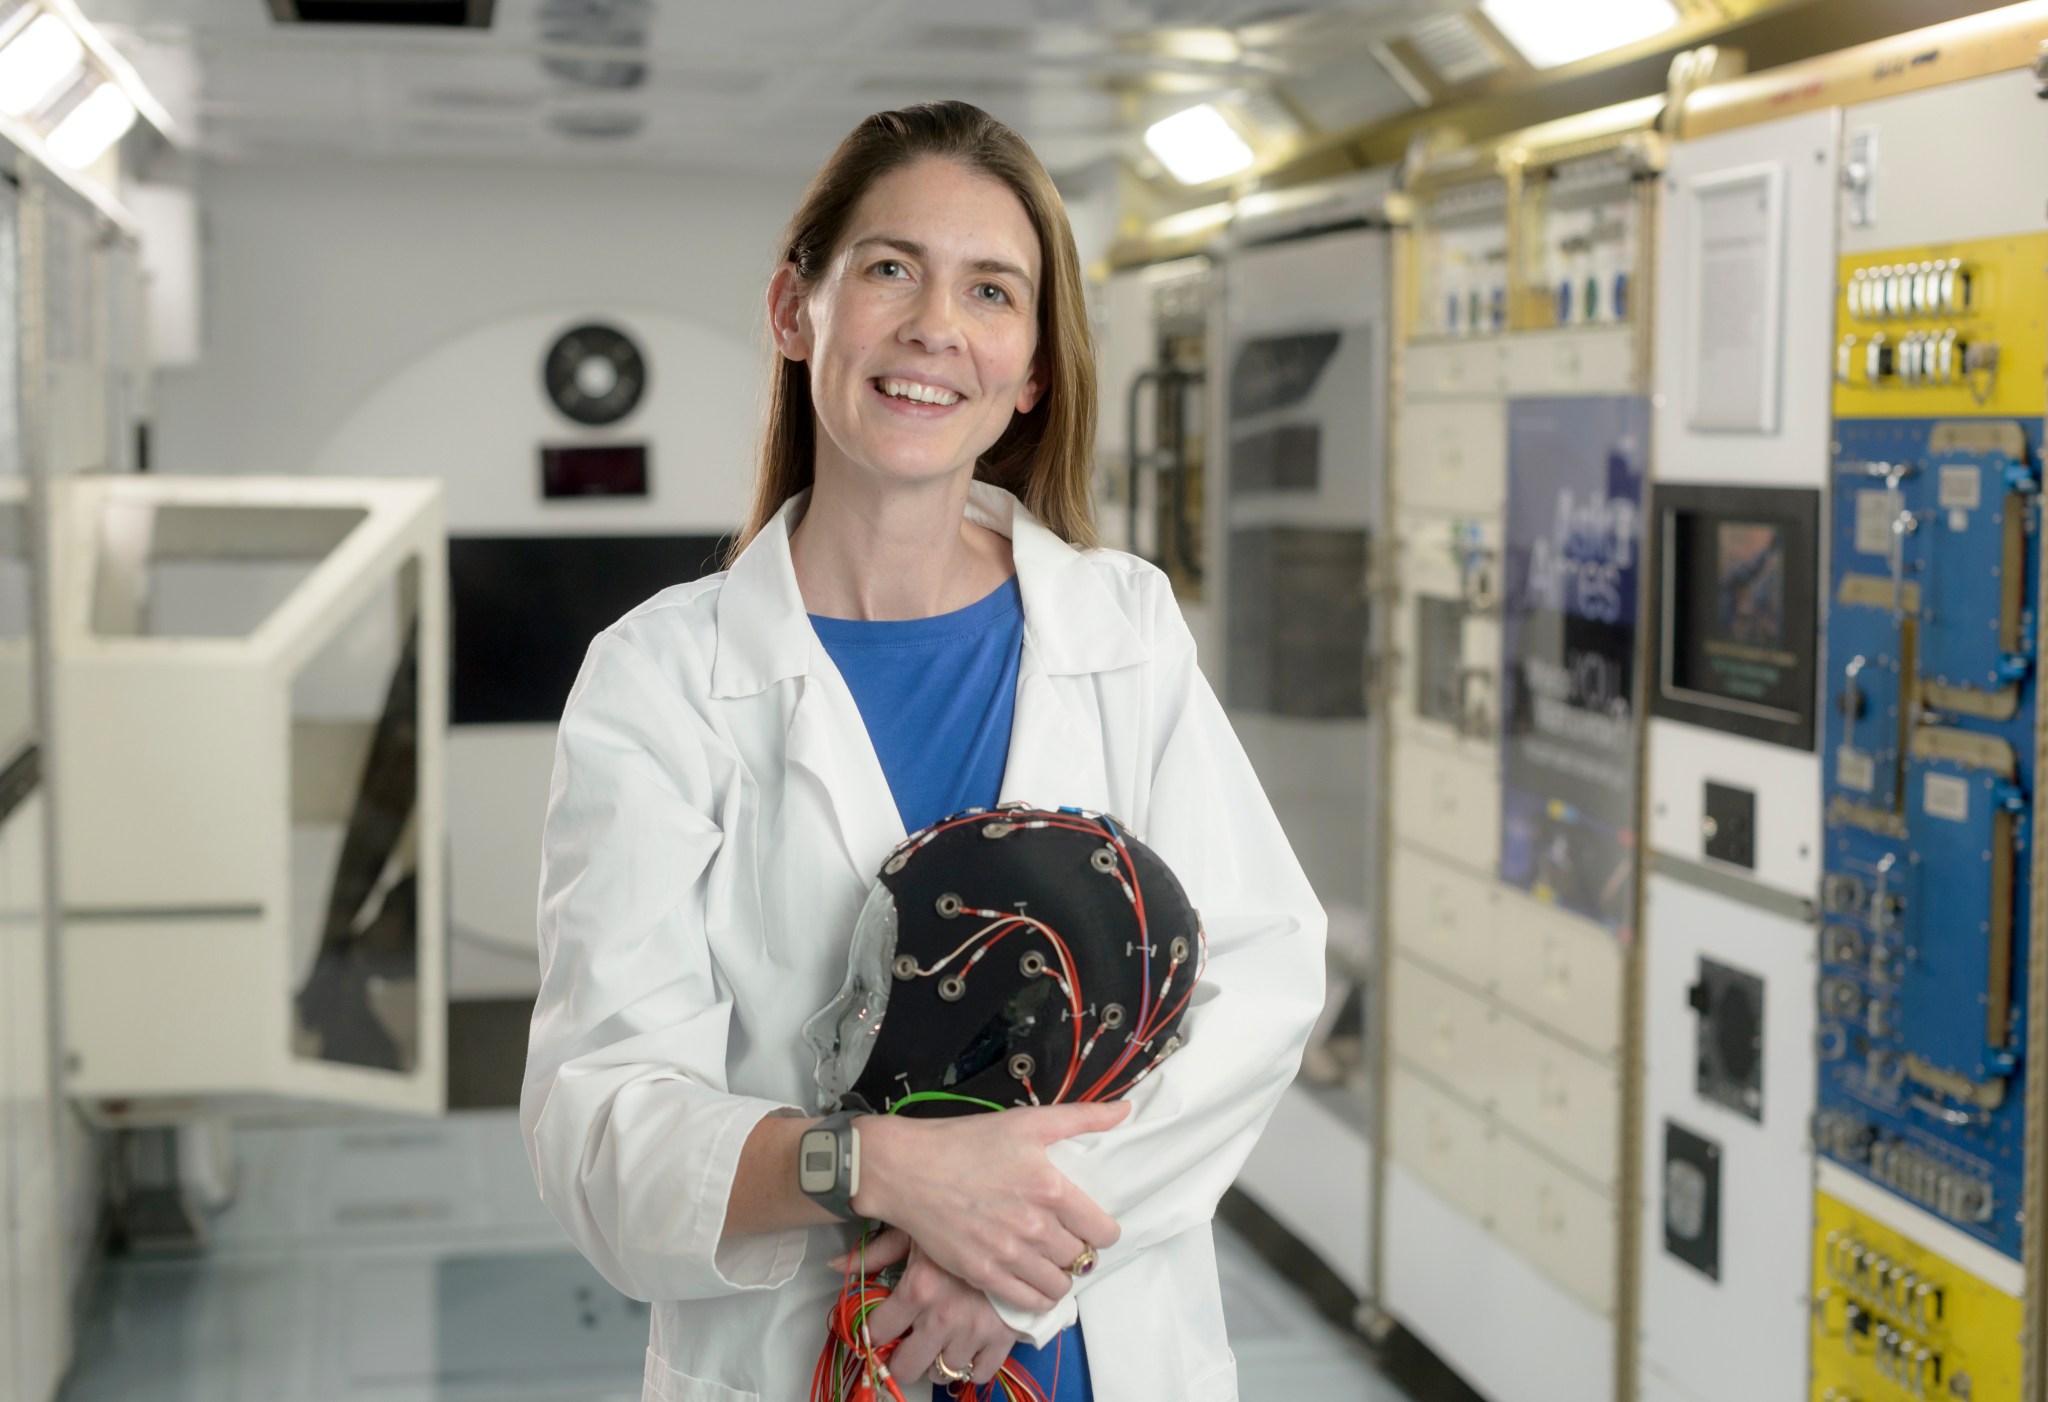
(979, 1195)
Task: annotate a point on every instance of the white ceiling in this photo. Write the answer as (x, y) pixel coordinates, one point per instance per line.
(770, 85)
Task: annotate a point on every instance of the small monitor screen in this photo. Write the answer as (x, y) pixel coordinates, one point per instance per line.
(1750, 570)
(1738, 612)
(594, 470)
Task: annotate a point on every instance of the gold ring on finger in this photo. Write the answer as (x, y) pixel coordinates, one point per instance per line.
(948, 1372)
(1083, 1263)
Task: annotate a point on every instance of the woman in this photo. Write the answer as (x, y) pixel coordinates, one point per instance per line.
(915, 622)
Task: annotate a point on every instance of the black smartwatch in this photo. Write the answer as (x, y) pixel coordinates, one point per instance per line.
(828, 1163)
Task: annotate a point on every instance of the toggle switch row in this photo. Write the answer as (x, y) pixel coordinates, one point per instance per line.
(1939, 288)
(1916, 359)
(1882, 1284)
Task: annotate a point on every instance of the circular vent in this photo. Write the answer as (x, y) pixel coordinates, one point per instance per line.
(595, 374)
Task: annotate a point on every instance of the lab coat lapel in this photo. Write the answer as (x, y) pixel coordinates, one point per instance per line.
(829, 740)
(765, 639)
(1055, 761)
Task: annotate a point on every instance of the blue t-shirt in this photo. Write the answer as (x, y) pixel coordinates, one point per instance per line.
(937, 696)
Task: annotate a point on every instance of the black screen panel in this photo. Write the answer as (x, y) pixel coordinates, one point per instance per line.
(594, 470)
(1692, 1199)
(1298, 622)
(1277, 371)
(526, 608)
(1738, 609)
(1283, 459)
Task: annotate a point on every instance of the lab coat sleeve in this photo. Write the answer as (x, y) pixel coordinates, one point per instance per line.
(1195, 1119)
(633, 1135)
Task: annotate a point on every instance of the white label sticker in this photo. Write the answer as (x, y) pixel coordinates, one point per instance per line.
(1959, 521)
(1962, 487)
(1855, 770)
(1875, 512)
(1946, 796)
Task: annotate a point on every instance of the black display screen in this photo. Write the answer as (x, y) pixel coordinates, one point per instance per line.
(526, 608)
(594, 470)
(1738, 617)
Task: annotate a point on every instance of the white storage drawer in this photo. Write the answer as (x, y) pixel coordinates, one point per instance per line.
(1438, 369)
(1558, 1096)
(1442, 1143)
(1444, 1029)
(1445, 917)
(1562, 971)
(1452, 455)
(1556, 1223)
(1597, 361)
(1448, 802)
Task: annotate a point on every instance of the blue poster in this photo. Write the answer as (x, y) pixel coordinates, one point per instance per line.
(1568, 652)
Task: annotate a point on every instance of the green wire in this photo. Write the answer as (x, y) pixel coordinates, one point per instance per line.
(916, 1098)
(922, 1096)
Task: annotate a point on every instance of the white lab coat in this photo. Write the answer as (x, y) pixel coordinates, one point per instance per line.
(716, 818)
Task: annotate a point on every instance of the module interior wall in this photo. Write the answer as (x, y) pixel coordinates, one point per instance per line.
(323, 280)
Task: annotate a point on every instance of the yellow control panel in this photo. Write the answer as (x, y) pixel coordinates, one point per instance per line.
(1893, 1321)
(1943, 331)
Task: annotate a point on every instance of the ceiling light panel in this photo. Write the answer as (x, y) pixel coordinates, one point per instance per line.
(38, 63)
(1550, 34)
(92, 126)
(1197, 145)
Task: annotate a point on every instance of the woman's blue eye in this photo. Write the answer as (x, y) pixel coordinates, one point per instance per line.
(989, 287)
(889, 267)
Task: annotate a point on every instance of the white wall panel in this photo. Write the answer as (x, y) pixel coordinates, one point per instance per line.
(1684, 759)
(1932, 157)
(1509, 1331)
(1803, 152)
(34, 1311)
(1766, 1165)
(1312, 1170)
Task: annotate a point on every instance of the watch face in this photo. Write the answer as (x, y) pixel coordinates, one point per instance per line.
(817, 1161)
(595, 374)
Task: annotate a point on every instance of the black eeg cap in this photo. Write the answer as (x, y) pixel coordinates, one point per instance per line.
(1000, 1027)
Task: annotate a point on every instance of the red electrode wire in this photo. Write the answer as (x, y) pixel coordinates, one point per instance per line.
(851, 1368)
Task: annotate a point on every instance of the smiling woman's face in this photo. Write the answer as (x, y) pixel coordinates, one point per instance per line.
(922, 335)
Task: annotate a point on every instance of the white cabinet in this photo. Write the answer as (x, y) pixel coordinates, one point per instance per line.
(1445, 917)
(1456, 369)
(1562, 972)
(1441, 1142)
(1449, 803)
(1452, 455)
(1572, 362)
(1554, 1221)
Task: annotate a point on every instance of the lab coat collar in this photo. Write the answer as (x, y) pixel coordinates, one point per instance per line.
(1073, 623)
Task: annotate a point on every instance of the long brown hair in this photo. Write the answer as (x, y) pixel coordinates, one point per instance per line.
(1043, 456)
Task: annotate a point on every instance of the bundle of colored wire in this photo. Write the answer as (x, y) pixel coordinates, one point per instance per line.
(852, 1368)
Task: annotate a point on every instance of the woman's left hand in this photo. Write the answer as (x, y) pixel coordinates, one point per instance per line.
(935, 1314)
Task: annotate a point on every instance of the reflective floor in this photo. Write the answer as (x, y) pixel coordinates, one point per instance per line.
(402, 1262)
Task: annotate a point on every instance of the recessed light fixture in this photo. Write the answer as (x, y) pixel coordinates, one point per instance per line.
(92, 126)
(1197, 145)
(1550, 34)
(37, 63)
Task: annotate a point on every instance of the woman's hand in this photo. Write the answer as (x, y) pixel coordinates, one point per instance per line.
(980, 1197)
(935, 1314)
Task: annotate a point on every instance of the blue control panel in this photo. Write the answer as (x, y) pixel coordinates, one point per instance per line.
(1932, 689)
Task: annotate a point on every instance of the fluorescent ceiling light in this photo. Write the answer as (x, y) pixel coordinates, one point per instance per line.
(43, 58)
(1551, 33)
(1197, 146)
(92, 126)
